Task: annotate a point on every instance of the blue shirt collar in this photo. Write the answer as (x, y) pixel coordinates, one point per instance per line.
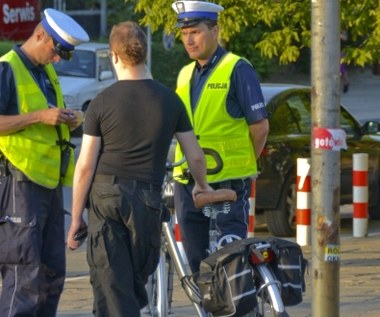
(25, 59)
(213, 60)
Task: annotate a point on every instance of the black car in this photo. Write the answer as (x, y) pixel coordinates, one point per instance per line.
(289, 108)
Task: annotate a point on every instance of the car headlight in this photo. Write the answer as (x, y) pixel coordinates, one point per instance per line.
(69, 100)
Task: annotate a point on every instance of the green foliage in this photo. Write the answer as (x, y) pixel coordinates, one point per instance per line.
(5, 46)
(119, 11)
(166, 64)
(287, 25)
(244, 44)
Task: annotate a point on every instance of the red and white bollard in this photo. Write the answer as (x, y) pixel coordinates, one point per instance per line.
(252, 213)
(360, 194)
(178, 239)
(303, 207)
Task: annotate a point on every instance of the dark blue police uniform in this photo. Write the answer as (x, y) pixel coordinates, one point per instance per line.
(245, 91)
(32, 237)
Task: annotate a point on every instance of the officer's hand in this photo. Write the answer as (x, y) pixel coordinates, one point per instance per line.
(78, 120)
(56, 116)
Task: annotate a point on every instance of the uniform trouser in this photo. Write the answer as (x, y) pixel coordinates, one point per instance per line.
(32, 244)
(195, 226)
(123, 246)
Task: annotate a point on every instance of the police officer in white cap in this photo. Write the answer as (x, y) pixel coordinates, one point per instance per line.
(223, 98)
(36, 160)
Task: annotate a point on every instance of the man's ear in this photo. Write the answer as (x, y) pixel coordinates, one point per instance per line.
(215, 31)
(41, 35)
(116, 57)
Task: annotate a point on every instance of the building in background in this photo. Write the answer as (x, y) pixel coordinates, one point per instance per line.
(18, 18)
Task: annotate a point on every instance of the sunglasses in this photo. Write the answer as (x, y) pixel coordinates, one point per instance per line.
(61, 51)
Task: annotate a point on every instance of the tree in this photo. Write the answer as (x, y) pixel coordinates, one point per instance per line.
(286, 25)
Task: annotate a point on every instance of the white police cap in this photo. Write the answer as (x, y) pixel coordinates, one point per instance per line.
(63, 29)
(193, 12)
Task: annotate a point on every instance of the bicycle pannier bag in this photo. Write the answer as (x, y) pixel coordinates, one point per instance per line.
(289, 269)
(226, 281)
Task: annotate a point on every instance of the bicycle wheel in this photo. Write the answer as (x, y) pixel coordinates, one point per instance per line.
(268, 295)
(157, 290)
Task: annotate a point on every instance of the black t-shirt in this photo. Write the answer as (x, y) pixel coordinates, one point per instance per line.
(136, 120)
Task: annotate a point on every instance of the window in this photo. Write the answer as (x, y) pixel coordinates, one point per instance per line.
(104, 62)
(292, 115)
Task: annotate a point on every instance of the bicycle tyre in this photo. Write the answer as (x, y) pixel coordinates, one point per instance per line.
(270, 303)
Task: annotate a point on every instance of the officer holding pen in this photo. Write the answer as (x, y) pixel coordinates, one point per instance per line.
(36, 160)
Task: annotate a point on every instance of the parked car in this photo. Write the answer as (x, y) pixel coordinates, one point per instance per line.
(85, 75)
(289, 108)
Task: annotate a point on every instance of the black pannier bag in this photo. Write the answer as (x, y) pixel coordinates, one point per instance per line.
(226, 281)
(289, 269)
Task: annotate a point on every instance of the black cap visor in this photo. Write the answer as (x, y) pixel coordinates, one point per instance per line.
(61, 51)
(186, 22)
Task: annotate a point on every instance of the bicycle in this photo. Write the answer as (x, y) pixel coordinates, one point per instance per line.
(160, 285)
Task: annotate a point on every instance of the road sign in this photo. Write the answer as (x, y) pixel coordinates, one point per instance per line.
(168, 40)
(18, 18)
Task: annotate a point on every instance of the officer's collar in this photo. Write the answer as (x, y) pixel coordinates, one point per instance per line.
(213, 60)
(24, 58)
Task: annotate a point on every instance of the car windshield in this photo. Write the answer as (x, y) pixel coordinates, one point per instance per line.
(292, 115)
(81, 65)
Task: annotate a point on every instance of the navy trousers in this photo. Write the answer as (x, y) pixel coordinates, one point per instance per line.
(195, 226)
(32, 244)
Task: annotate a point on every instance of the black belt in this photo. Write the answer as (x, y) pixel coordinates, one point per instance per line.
(112, 179)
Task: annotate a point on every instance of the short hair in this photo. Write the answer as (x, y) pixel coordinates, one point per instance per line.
(210, 23)
(128, 41)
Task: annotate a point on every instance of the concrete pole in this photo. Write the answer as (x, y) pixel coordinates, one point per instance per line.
(149, 53)
(325, 158)
(103, 18)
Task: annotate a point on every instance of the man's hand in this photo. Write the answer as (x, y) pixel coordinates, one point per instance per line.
(74, 228)
(79, 117)
(197, 189)
(56, 116)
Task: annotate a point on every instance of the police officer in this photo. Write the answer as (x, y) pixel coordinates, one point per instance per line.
(224, 101)
(36, 160)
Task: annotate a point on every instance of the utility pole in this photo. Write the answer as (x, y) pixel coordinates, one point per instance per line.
(103, 18)
(327, 141)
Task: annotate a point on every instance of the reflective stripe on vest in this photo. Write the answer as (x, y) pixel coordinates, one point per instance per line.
(34, 149)
(215, 128)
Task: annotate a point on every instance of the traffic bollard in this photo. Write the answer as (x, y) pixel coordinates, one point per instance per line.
(303, 209)
(252, 213)
(360, 194)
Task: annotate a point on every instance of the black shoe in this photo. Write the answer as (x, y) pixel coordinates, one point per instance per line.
(345, 88)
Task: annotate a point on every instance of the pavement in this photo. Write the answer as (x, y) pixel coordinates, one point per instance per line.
(359, 278)
(363, 96)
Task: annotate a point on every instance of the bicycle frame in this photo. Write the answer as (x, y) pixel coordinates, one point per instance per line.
(269, 289)
(190, 288)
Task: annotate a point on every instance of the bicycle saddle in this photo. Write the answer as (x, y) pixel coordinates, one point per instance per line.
(217, 196)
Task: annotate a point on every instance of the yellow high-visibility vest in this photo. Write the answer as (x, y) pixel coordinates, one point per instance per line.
(34, 150)
(215, 128)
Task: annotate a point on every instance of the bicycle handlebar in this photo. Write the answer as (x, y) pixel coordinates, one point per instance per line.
(218, 160)
(207, 151)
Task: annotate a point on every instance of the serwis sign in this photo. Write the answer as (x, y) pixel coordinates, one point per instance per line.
(18, 18)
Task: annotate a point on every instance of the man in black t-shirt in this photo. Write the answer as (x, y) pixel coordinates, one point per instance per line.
(128, 130)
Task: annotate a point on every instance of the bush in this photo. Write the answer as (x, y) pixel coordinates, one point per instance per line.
(5, 46)
(166, 64)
